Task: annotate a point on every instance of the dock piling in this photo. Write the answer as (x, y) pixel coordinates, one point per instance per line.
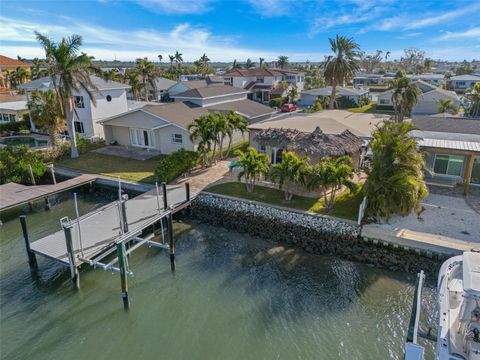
(122, 263)
(171, 242)
(165, 202)
(124, 213)
(32, 178)
(187, 196)
(32, 259)
(47, 203)
(52, 171)
(67, 228)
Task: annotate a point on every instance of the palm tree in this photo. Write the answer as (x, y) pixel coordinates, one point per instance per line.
(235, 122)
(249, 64)
(395, 183)
(293, 93)
(172, 59)
(38, 69)
(218, 124)
(112, 75)
(260, 62)
(132, 79)
(160, 58)
(178, 58)
(204, 60)
(282, 61)
(69, 70)
(21, 74)
(331, 174)
(289, 172)
(253, 164)
(46, 112)
(341, 67)
(146, 70)
(447, 106)
(387, 54)
(473, 95)
(236, 65)
(201, 131)
(404, 97)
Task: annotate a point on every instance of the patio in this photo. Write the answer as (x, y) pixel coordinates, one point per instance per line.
(128, 152)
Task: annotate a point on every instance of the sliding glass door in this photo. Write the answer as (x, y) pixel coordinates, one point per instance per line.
(142, 138)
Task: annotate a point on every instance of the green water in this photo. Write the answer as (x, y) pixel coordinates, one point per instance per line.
(24, 141)
(232, 297)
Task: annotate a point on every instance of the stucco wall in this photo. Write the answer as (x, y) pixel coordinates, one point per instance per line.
(163, 139)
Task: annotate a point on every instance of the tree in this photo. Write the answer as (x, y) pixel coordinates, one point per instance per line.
(201, 131)
(473, 96)
(282, 61)
(218, 123)
(236, 65)
(253, 164)
(178, 58)
(160, 58)
(341, 67)
(249, 64)
(370, 62)
(412, 59)
(293, 93)
(132, 79)
(46, 112)
(289, 172)
(146, 70)
(69, 70)
(464, 69)
(15, 163)
(395, 183)
(331, 174)
(447, 106)
(260, 62)
(112, 75)
(235, 122)
(404, 97)
(172, 59)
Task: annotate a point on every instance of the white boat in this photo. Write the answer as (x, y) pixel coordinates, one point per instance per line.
(459, 308)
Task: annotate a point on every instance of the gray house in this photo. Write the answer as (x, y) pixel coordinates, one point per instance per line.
(308, 97)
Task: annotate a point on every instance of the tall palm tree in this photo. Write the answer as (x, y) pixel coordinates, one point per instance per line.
(38, 69)
(178, 58)
(249, 63)
(204, 60)
(69, 70)
(261, 61)
(253, 164)
(282, 61)
(132, 79)
(289, 172)
(293, 93)
(160, 58)
(235, 122)
(236, 65)
(46, 112)
(341, 67)
(172, 59)
(21, 74)
(201, 132)
(473, 95)
(447, 106)
(404, 97)
(146, 70)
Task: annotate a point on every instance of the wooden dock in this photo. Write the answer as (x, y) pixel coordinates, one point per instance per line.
(119, 226)
(13, 194)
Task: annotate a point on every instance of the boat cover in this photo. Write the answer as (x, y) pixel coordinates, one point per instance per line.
(471, 273)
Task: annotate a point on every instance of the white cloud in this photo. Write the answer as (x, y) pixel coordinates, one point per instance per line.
(177, 6)
(473, 33)
(273, 8)
(17, 38)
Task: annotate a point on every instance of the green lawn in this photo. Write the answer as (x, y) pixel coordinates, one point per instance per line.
(346, 204)
(370, 109)
(114, 166)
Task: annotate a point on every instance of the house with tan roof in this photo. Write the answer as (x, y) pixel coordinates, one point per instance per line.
(182, 86)
(427, 103)
(7, 65)
(264, 84)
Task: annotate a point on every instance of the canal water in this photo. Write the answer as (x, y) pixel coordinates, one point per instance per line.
(232, 297)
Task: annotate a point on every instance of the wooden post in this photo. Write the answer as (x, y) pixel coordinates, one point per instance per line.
(467, 174)
(122, 263)
(124, 213)
(165, 202)
(30, 171)
(52, 171)
(67, 228)
(47, 203)
(32, 260)
(171, 243)
(187, 196)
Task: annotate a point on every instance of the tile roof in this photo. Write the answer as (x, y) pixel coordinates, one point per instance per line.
(261, 72)
(6, 62)
(210, 91)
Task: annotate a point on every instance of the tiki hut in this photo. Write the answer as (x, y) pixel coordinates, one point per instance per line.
(314, 145)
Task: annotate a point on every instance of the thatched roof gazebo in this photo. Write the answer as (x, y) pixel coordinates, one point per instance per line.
(314, 145)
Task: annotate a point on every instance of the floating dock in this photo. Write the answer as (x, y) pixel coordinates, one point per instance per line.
(116, 227)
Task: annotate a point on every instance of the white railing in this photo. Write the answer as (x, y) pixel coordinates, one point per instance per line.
(361, 210)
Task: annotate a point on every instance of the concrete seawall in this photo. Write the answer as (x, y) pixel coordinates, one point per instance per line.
(314, 234)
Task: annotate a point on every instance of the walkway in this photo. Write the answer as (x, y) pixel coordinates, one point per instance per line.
(128, 152)
(203, 178)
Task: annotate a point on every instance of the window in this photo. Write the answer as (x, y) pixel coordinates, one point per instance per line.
(448, 165)
(384, 101)
(13, 117)
(5, 118)
(142, 138)
(177, 138)
(78, 100)
(261, 80)
(109, 98)
(263, 149)
(290, 77)
(79, 127)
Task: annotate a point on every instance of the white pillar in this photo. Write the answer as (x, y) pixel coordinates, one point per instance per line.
(32, 125)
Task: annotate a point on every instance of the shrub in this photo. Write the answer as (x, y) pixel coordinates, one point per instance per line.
(346, 103)
(278, 102)
(14, 165)
(14, 126)
(177, 163)
(363, 101)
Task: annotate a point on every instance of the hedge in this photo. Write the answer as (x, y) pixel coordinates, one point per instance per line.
(14, 126)
(175, 164)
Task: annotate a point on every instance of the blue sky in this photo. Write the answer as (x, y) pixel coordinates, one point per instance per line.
(238, 29)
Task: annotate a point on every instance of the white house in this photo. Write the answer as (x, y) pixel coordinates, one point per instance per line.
(427, 102)
(265, 84)
(12, 111)
(110, 99)
(182, 86)
(211, 95)
(308, 97)
(433, 79)
(463, 82)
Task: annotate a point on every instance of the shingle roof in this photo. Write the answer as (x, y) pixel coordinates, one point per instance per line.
(180, 113)
(465, 77)
(261, 72)
(210, 91)
(162, 83)
(98, 83)
(248, 108)
(342, 91)
(6, 62)
(447, 125)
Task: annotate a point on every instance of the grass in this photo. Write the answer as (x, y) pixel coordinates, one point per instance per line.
(370, 109)
(346, 204)
(361, 109)
(113, 166)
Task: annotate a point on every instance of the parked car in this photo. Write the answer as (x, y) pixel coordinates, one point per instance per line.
(289, 107)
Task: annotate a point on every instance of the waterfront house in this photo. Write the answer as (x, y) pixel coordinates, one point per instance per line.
(427, 103)
(337, 132)
(110, 99)
(12, 111)
(265, 84)
(8, 65)
(452, 145)
(308, 97)
(460, 83)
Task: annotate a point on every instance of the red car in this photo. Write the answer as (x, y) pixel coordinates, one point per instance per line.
(289, 107)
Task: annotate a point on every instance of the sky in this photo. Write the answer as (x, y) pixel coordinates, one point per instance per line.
(239, 29)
